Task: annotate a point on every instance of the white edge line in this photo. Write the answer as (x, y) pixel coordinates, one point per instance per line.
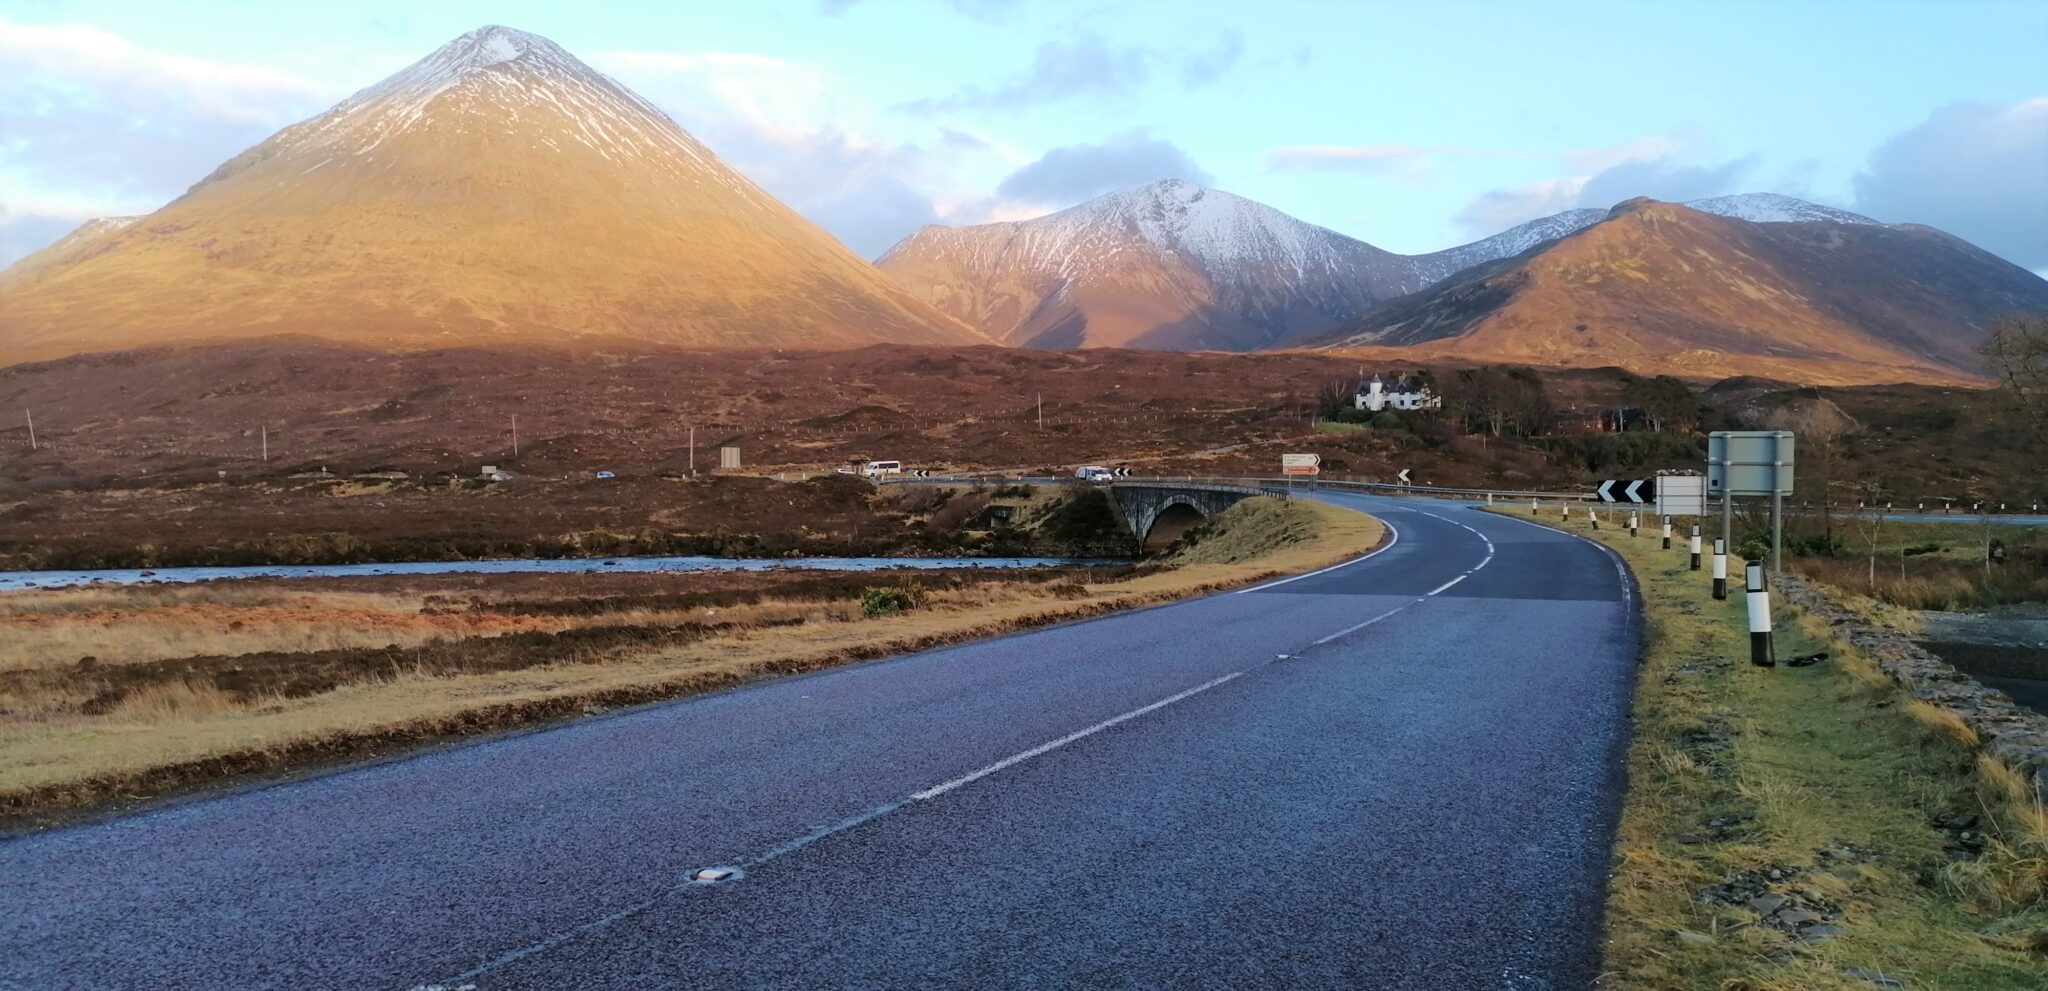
(1018, 758)
(1393, 537)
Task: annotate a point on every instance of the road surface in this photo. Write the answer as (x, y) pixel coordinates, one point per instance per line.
(1398, 773)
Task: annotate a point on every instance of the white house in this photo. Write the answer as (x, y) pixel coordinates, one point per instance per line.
(1403, 393)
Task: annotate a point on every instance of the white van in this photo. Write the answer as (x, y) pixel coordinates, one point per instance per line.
(1093, 473)
(876, 469)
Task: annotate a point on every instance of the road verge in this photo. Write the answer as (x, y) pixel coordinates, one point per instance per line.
(1810, 827)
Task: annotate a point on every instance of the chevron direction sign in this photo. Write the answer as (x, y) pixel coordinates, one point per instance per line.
(1636, 490)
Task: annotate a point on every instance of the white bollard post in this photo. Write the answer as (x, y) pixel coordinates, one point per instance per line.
(1720, 568)
(1634, 520)
(1593, 517)
(1695, 547)
(1761, 652)
(1667, 533)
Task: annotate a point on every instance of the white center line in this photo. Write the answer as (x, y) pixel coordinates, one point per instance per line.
(1452, 582)
(800, 842)
(1015, 759)
(1354, 629)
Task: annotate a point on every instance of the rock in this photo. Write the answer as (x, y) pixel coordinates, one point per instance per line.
(1795, 918)
(1766, 904)
(1874, 979)
(1691, 938)
(1815, 934)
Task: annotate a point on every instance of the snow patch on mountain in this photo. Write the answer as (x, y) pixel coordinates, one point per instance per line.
(512, 81)
(1775, 208)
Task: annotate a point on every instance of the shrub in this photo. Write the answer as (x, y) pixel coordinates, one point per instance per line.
(877, 601)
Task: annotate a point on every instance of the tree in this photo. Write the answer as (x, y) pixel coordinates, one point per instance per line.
(1818, 427)
(1667, 402)
(2018, 355)
(1870, 524)
(1501, 401)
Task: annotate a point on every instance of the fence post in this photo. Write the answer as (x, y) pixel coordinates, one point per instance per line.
(1761, 652)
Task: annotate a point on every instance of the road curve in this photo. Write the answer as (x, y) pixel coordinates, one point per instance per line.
(1398, 773)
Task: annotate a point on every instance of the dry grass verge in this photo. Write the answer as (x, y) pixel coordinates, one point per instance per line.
(1807, 828)
(185, 729)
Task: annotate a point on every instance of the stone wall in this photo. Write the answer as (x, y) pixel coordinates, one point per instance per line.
(2014, 736)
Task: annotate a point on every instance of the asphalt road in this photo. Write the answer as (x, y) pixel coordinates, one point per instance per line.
(1400, 773)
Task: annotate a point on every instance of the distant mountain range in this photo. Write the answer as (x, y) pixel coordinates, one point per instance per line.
(1664, 287)
(497, 192)
(1176, 266)
(501, 193)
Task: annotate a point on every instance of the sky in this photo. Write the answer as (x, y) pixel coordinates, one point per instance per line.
(1414, 126)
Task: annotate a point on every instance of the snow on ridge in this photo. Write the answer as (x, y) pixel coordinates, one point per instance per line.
(499, 78)
(1769, 208)
(1219, 232)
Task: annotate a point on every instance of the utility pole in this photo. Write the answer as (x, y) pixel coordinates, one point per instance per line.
(693, 450)
(515, 435)
(265, 429)
(1041, 412)
(25, 411)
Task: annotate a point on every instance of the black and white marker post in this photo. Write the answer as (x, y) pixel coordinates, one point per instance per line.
(1720, 569)
(1695, 547)
(1761, 653)
(1667, 533)
(1634, 520)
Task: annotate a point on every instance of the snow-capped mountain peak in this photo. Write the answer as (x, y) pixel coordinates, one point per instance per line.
(1775, 208)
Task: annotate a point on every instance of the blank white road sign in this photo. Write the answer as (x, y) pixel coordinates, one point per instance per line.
(1682, 495)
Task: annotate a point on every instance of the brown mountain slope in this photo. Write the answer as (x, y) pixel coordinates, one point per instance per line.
(1169, 265)
(499, 191)
(1658, 287)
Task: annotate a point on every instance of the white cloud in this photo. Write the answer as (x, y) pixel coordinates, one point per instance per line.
(1976, 170)
(1601, 177)
(1497, 210)
(92, 124)
(802, 134)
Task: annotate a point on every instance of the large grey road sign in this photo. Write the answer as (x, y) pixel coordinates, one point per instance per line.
(1749, 462)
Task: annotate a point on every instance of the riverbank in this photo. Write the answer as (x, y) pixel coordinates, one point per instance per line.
(127, 695)
(1807, 827)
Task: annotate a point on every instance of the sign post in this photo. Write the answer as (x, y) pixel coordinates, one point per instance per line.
(1751, 463)
(1291, 465)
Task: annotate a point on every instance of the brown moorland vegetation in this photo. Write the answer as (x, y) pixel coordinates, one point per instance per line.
(114, 695)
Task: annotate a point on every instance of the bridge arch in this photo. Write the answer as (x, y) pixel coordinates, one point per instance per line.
(1159, 512)
(1177, 516)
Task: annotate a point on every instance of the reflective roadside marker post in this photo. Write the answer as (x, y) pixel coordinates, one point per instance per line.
(1695, 547)
(1634, 521)
(1720, 569)
(1564, 510)
(1760, 652)
(1535, 507)
(1593, 518)
(1667, 533)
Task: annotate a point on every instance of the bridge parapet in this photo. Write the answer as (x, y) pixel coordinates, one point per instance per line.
(1159, 512)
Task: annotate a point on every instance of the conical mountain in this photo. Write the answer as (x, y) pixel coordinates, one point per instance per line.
(1662, 287)
(497, 192)
(1169, 265)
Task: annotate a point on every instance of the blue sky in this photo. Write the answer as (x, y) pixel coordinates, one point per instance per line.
(1414, 126)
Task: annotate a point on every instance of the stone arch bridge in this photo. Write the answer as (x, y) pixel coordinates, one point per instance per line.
(1159, 512)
